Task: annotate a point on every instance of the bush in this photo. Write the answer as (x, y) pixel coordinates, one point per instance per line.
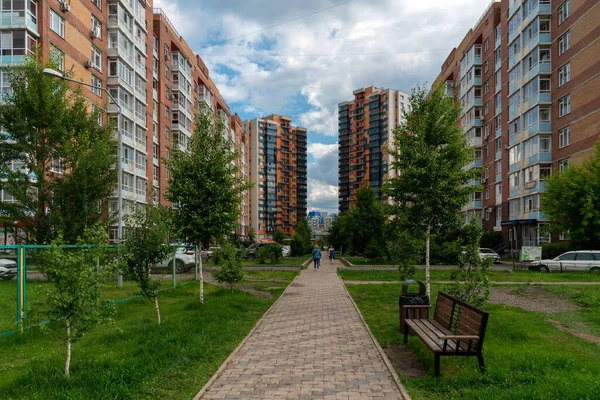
(491, 239)
(231, 271)
(373, 250)
(274, 253)
(551, 250)
(261, 255)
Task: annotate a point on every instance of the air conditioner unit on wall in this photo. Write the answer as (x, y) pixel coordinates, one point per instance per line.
(87, 64)
(64, 6)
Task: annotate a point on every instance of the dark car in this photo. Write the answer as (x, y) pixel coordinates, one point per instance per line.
(253, 249)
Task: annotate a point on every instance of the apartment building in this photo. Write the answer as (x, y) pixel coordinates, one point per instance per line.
(135, 53)
(365, 126)
(527, 78)
(278, 172)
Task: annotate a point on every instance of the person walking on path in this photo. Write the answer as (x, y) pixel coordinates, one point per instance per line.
(316, 255)
(331, 255)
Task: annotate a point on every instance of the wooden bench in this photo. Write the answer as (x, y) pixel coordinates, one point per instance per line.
(457, 329)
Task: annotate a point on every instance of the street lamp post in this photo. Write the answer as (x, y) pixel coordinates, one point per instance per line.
(60, 75)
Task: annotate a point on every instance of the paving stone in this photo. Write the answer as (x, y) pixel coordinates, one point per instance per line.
(312, 344)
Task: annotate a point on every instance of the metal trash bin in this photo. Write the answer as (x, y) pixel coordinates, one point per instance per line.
(412, 299)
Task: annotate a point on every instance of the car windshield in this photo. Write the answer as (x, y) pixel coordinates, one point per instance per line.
(485, 251)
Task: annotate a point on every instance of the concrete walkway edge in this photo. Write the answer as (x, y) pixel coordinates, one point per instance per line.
(237, 349)
(384, 357)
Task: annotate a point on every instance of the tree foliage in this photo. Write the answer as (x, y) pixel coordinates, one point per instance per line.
(572, 202)
(144, 244)
(230, 260)
(302, 241)
(431, 154)
(471, 282)
(279, 237)
(49, 125)
(76, 277)
(205, 185)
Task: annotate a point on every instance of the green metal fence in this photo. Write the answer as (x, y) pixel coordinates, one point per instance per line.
(21, 292)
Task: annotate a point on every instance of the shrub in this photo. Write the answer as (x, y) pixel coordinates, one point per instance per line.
(274, 253)
(373, 250)
(551, 250)
(261, 255)
(491, 239)
(231, 271)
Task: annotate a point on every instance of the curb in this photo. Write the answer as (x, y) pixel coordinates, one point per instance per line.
(217, 374)
(384, 357)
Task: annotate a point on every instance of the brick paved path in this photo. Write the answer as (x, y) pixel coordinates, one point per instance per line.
(311, 345)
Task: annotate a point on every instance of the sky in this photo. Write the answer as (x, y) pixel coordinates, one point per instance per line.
(302, 57)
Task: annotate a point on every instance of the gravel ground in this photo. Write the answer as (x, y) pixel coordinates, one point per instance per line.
(531, 298)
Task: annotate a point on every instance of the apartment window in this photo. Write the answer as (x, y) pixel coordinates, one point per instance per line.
(544, 114)
(545, 172)
(97, 3)
(58, 57)
(167, 72)
(486, 87)
(487, 197)
(564, 137)
(487, 150)
(486, 66)
(96, 58)
(564, 74)
(97, 27)
(563, 165)
(486, 108)
(498, 55)
(166, 132)
(498, 144)
(564, 10)
(564, 42)
(545, 144)
(486, 130)
(498, 121)
(57, 24)
(563, 236)
(564, 106)
(98, 112)
(96, 85)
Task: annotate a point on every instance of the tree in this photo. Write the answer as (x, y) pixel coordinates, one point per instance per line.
(279, 237)
(144, 244)
(365, 223)
(431, 154)
(491, 239)
(76, 277)
(302, 241)
(231, 271)
(471, 282)
(64, 160)
(572, 202)
(204, 186)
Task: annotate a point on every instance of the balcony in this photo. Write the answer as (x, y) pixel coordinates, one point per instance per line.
(498, 155)
(475, 141)
(540, 38)
(499, 177)
(498, 108)
(535, 186)
(498, 65)
(473, 123)
(534, 129)
(17, 19)
(513, 139)
(534, 100)
(513, 7)
(537, 158)
(473, 205)
(474, 164)
(498, 132)
(540, 68)
(514, 85)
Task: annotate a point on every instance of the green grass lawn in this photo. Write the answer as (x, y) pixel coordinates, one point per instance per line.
(495, 276)
(527, 357)
(364, 261)
(135, 358)
(291, 261)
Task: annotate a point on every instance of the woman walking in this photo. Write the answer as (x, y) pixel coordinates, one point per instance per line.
(316, 255)
(331, 255)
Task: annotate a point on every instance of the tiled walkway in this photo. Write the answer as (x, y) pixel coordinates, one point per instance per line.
(312, 344)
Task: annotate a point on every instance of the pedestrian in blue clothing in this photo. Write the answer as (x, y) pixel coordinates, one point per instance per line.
(316, 255)
(331, 254)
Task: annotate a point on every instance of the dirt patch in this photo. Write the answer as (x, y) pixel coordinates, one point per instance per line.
(531, 298)
(585, 336)
(404, 361)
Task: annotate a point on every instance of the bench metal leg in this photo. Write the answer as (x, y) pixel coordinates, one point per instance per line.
(481, 363)
(437, 365)
(405, 334)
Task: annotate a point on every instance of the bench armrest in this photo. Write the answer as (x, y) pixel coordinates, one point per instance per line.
(420, 306)
(458, 337)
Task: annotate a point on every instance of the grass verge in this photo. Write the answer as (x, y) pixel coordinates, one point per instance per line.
(495, 276)
(526, 355)
(135, 358)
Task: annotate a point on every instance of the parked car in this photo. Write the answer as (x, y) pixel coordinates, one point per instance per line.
(286, 251)
(184, 260)
(581, 260)
(8, 269)
(207, 254)
(484, 253)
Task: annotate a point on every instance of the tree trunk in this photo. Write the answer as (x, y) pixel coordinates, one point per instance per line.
(156, 308)
(427, 266)
(69, 345)
(201, 277)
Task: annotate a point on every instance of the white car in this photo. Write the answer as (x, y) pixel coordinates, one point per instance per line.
(184, 260)
(8, 269)
(489, 253)
(572, 261)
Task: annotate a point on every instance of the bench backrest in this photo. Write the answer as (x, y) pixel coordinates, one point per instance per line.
(460, 317)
